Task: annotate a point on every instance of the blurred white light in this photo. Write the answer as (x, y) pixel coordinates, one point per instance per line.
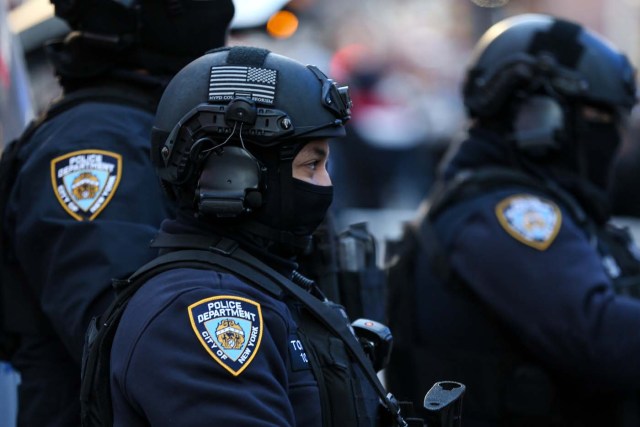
(490, 3)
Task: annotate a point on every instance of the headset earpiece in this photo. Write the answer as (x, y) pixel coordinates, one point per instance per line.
(538, 125)
(539, 119)
(231, 177)
(230, 183)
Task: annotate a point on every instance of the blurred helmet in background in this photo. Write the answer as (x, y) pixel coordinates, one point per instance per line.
(560, 90)
(158, 36)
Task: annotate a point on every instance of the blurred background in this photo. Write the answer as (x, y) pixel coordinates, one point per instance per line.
(403, 59)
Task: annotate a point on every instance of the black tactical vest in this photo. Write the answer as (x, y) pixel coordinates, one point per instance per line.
(345, 377)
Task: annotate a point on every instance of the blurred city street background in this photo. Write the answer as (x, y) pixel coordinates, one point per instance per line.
(404, 61)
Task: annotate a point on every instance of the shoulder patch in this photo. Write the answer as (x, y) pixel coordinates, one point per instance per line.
(530, 220)
(85, 181)
(229, 328)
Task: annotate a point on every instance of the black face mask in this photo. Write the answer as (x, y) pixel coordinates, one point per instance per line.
(597, 146)
(310, 204)
(292, 209)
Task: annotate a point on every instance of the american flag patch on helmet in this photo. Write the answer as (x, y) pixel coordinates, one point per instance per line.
(234, 81)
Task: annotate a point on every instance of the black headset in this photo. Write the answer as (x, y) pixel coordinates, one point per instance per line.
(232, 179)
(230, 183)
(539, 119)
(538, 125)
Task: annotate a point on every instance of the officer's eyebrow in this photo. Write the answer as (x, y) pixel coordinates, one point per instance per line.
(313, 151)
(320, 151)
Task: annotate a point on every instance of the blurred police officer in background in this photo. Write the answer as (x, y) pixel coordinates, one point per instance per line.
(226, 329)
(518, 286)
(624, 191)
(83, 201)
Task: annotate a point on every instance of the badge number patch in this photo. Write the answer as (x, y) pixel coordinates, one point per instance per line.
(229, 328)
(530, 220)
(85, 181)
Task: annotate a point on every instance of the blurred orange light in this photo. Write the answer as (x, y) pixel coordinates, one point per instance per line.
(282, 24)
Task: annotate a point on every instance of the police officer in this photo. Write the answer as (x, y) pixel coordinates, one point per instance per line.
(241, 140)
(517, 283)
(85, 201)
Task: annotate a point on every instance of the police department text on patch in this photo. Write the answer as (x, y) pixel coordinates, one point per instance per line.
(530, 219)
(85, 181)
(229, 328)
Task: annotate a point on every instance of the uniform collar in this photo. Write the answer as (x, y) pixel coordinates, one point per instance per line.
(186, 224)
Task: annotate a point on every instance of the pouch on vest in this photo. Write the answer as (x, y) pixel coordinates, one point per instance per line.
(344, 266)
(363, 288)
(334, 370)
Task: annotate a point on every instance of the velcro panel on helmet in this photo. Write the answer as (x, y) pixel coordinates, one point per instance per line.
(244, 55)
(561, 40)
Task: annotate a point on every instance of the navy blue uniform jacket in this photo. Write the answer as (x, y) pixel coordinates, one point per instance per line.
(535, 291)
(83, 210)
(559, 301)
(198, 347)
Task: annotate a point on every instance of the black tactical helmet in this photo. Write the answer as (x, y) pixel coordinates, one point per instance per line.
(541, 54)
(233, 103)
(558, 91)
(160, 36)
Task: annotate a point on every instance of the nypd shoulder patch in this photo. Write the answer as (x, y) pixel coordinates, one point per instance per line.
(530, 219)
(229, 328)
(85, 181)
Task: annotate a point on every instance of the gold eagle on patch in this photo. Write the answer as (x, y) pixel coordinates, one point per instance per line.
(229, 328)
(85, 181)
(530, 219)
